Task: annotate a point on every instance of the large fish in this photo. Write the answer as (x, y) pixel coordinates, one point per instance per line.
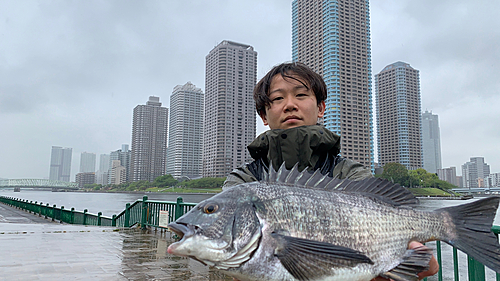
(298, 226)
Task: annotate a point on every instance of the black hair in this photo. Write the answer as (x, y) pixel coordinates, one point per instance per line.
(294, 70)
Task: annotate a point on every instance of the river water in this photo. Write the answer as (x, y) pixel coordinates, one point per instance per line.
(113, 203)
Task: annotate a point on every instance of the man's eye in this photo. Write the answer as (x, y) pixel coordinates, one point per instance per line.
(277, 98)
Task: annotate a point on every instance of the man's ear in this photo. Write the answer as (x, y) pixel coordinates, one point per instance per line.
(321, 109)
(264, 119)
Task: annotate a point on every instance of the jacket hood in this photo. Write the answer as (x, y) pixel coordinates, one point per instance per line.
(305, 145)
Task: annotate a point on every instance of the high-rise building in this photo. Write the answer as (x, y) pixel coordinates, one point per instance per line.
(397, 96)
(333, 38)
(103, 172)
(60, 163)
(474, 172)
(185, 136)
(431, 142)
(87, 162)
(123, 155)
(230, 119)
(149, 140)
(448, 175)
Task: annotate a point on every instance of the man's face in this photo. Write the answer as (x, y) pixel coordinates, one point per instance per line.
(292, 104)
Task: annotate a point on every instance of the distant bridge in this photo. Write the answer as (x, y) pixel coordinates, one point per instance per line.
(37, 183)
(477, 190)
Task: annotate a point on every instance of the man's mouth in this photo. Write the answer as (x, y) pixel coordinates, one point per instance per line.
(291, 118)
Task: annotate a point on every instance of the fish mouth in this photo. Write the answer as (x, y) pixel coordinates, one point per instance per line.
(181, 229)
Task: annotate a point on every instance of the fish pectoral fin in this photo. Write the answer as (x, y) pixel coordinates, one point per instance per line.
(308, 259)
(415, 261)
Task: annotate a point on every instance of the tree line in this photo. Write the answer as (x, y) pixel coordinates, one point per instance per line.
(165, 181)
(398, 173)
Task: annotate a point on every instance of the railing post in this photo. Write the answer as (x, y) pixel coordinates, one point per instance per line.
(99, 218)
(179, 210)
(35, 207)
(40, 208)
(85, 217)
(476, 269)
(61, 217)
(47, 207)
(113, 220)
(144, 212)
(53, 212)
(455, 264)
(126, 223)
(440, 271)
(72, 215)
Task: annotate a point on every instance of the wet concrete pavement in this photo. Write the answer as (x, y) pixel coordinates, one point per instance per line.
(34, 248)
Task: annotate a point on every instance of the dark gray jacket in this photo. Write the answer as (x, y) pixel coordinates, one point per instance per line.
(313, 147)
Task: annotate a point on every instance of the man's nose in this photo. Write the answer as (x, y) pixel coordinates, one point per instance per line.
(290, 104)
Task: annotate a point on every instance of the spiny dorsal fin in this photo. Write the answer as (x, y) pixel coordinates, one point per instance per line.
(376, 188)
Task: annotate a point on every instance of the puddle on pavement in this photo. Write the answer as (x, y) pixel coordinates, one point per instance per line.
(145, 257)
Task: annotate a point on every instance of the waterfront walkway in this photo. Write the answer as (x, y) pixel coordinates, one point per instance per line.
(34, 248)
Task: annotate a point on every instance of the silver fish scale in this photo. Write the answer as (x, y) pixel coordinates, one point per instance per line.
(378, 230)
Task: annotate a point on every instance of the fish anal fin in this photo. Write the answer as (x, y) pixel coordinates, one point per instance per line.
(308, 259)
(415, 261)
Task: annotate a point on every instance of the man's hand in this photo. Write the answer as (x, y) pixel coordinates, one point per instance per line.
(433, 264)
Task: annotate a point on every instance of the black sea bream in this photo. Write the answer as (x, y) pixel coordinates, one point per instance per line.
(298, 226)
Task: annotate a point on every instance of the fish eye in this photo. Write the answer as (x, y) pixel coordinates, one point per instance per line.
(210, 208)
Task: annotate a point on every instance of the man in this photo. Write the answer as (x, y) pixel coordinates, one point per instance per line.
(290, 98)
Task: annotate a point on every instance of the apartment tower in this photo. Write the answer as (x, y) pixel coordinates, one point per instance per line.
(60, 163)
(123, 155)
(448, 175)
(431, 142)
(474, 172)
(333, 38)
(230, 77)
(103, 172)
(397, 96)
(185, 137)
(87, 162)
(149, 140)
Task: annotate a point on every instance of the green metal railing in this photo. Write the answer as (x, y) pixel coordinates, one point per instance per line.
(142, 212)
(147, 213)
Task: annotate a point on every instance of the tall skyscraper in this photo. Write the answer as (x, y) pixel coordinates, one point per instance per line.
(87, 162)
(333, 38)
(397, 96)
(149, 140)
(474, 171)
(124, 156)
(185, 136)
(102, 173)
(230, 77)
(60, 163)
(431, 142)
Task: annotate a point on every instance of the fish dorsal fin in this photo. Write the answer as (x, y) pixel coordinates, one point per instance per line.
(376, 188)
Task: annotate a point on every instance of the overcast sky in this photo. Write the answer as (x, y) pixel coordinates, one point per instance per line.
(71, 72)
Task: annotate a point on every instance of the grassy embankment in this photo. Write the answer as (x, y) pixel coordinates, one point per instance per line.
(433, 192)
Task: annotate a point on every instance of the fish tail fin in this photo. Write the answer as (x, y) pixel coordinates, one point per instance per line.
(473, 234)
